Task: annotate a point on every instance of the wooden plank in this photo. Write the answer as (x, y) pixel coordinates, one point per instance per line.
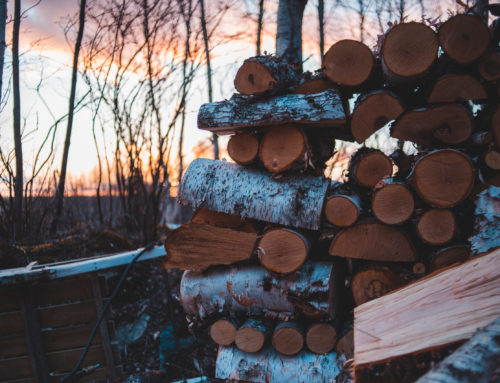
(68, 314)
(11, 323)
(9, 300)
(36, 352)
(15, 368)
(12, 345)
(81, 266)
(440, 309)
(63, 291)
(62, 361)
(70, 337)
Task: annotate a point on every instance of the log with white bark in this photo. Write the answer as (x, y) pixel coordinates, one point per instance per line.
(241, 114)
(437, 310)
(486, 235)
(477, 360)
(269, 366)
(292, 200)
(311, 291)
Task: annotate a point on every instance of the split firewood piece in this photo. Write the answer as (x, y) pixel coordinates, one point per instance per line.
(436, 226)
(311, 291)
(292, 200)
(392, 202)
(221, 245)
(449, 256)
(489, 66)
(243, 148)
(372, 240)
(449, 124)
(238, 114)
(485, 235)
(271, 367)
(373, 111)
(372, 283)
(283, 147)
(265, 74)
(477, 360)
(443, 178)
(288, 338)
(435, 311)
(343, 210)
(313, 83)
(345, 345)
(368, 166)
(283, 251)
(464, 38)
(457, 87)
(492, 159)
(321, 338)
(251, 336)
(348, 63)
(495, 127)
(223, 332)
(408, 51)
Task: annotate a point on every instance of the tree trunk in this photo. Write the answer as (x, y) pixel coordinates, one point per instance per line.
(311, 291)
(321, 24)
(441, 309)
(486, 221)
(481, 9)
(289, 31)
(18, 147)
(288, 338)
(270, 367)
(259, 26)
(477, 360)
(251, 336)
(3, 21)
(241, 114)
(69, 127)
(292, 200)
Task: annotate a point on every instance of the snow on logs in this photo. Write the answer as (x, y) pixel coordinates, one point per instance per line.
(270, 366)
(293, 200)
(307, 110)
(311, 291)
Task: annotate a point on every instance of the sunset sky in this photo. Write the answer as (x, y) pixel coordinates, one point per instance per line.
(46, 65)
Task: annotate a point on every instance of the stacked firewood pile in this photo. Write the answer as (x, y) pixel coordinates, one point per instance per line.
(278, 256)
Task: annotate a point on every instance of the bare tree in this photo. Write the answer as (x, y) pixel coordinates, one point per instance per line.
(18, 187)
(321, 21)
(3, 19)
(259, 26)
(69, 126)
(289, 31)
(481, 8)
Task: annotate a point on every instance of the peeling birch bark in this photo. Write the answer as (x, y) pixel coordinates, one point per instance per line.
(486, 235)
(293, 200)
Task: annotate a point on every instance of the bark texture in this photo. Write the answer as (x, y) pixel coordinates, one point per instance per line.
(239, 114)
(311, 291)
(292, 200)
(289, 31)
(486, 234)
(477, 360)
(269, 366)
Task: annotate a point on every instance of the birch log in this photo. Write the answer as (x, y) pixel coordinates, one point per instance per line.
(269, 366)
(239, 114)
(478, 360)
(311, 291)
(486, 234)
(292, 200)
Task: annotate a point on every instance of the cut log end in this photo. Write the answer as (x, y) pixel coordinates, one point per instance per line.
(464, 38)
(287, 338)
(449, 124)
(348, 63)
(373, 283)
(449, 256)
(281, 147)
(369, 168)
(437, 226)
(375, 241)
(345, 345)
(283, 251)
(374, 112)
(457, 87)
(393, 203)
(251, 336)
(492, 159)
(320, 338)
(342, 210)
(409, 49)
(243, 148)
(223, 332)
(253, 78)
(443, 178)
(489, 66)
